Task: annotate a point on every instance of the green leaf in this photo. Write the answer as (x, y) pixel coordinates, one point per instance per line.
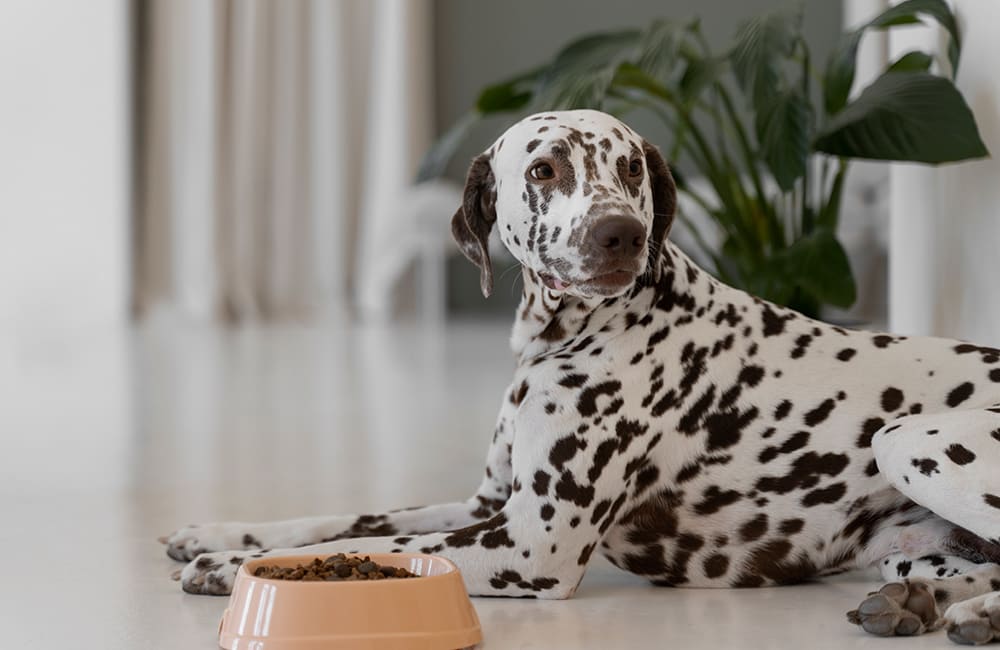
(441, 152)
(819, 264)
(914, 61)
(839, 75)
(700, 74)
(658, 48)
(762, 45)
(906, 13)
(582, 72)
(911, 116)
(630, 76)
(783, 134)
(841, 65)
(511, 95)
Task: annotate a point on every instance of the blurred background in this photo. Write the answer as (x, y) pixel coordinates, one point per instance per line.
(222, 296)
(252, 162)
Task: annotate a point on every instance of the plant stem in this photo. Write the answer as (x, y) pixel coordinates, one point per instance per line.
(829, 216)
(807, 221)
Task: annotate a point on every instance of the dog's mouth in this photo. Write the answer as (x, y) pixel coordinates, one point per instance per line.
(613, 280)
(600, 284)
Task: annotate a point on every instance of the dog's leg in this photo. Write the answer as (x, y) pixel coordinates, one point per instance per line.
(947, 463)
(191, 541)
(567, 491)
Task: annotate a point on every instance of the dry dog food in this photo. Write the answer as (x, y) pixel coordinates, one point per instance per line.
(335, 568)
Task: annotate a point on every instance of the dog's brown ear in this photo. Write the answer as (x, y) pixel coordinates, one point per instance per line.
(664, 199)
(474, 220)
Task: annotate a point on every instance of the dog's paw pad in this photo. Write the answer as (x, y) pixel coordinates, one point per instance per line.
(975, 632)
(897, 609)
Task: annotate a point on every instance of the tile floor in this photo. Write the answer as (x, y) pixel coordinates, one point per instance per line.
(107, 441)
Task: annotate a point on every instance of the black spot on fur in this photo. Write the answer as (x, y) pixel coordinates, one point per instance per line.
(688, 472)
(587, 402)
(751, 375)
(773, 323)
(564, 450)
(960, 393)
(541, 483)
(801, 344)
(892, 399)
(868, 430)
(796, 442)
(927, 466)
(567, 489)
(601, 457)
(496, 539)
(959, 454)
(725, 428)
(791, 526)
(467, 536)
(846, 354)
(830, 494)
(804, 473)
(517, 395)
(715, 565)
(599, 510)
(754, 529)
(573, 381)
(820, 413)
(714, 499)
(771, 561)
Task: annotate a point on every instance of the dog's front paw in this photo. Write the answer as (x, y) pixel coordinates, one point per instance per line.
(211, 573)
(191, 541)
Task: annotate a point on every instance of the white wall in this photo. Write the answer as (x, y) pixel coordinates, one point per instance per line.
(63, 241)
(63, 166)
(944, 274)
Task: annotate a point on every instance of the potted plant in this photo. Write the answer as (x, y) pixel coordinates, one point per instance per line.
(771, 134)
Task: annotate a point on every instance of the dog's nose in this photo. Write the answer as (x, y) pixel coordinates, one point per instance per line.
(619, 236)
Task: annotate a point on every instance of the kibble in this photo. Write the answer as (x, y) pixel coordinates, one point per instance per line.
(335, 568)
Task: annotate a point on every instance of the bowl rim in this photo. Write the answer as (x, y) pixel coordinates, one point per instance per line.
(309, 557)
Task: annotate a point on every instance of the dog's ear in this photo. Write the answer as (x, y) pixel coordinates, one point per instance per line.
(664, 199)
(474, 220)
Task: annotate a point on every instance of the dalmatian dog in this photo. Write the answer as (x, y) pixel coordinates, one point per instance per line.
(689, 432)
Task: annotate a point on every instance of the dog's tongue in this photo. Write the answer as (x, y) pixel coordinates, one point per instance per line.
(553, 283)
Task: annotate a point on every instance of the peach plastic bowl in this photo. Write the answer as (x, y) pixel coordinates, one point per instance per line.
(431, 612)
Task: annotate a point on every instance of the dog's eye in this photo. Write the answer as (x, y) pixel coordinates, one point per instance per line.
(635, 167)
(542, 172)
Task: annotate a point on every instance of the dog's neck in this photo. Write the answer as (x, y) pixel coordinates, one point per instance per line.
(548, 319)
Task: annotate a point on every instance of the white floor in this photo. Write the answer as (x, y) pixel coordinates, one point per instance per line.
(108, 441)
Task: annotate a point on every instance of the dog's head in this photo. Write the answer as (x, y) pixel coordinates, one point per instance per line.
(576, 196)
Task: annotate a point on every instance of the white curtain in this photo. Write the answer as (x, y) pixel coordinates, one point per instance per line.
(274, 141)
(945, 221)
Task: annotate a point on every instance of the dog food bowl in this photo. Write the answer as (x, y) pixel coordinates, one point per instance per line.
(431, 612)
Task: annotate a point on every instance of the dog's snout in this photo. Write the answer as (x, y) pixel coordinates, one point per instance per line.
(619, 235)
